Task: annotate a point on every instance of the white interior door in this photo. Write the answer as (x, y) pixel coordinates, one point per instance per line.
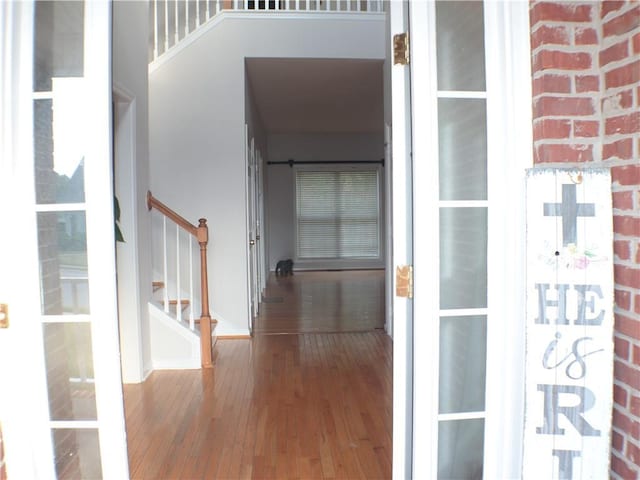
(468, 167)
(252, 249)
(61, 405)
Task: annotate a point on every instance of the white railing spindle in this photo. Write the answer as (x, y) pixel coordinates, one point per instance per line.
(186, 18)
(191, 304)
(177, 23)
(166, 25)
(155, 29)
(207, 11)
(368, 5)
(165, 272)
(178, 292)
(197, 23)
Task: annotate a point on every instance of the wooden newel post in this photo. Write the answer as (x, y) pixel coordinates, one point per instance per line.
(205, 317)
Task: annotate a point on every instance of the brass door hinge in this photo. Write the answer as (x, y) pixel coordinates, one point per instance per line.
(401, 49)
(4, 315)
(404, 281)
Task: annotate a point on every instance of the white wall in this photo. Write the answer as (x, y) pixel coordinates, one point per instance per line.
(280, 202)
(197, 117)
(130, 78)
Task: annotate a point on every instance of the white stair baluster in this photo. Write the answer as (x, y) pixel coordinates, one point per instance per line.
(208, 12)
(297, 5)
(186, 17)
(368, 5)
(178, 293)
(165, 272)
(155, 29)
(176, 21)
(197, 24)
(166, 25)
(191, 304)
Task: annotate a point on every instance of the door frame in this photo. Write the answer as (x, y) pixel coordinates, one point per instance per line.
(25, 418)
(415, 345)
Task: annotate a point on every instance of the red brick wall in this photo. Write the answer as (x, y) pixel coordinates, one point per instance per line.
(586, 112)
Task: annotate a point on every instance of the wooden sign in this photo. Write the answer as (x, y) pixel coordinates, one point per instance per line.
(569, 324)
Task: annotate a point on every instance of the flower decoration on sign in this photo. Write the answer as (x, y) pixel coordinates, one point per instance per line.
(570, 257)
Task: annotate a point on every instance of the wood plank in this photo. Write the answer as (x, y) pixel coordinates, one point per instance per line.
(309, 405)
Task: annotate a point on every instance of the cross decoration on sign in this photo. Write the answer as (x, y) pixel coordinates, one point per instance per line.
(569, 210)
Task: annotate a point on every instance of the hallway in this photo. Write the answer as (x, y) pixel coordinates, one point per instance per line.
(311, 405)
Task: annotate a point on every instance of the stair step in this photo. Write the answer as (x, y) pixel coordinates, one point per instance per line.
(157, 285)
(184, 303)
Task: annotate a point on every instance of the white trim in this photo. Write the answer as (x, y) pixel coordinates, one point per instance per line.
(42, 95)
(464, 312)
(61, 207)
(251, 15)
(426, 235)
(460, 94)
(509, 136)
(101, 241)
(401, 180)
(27, 438)
(66, 318)
(443, 417)
(74, 424)
(463, 203)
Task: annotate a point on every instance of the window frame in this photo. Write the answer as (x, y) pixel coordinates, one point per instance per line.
(341, 263)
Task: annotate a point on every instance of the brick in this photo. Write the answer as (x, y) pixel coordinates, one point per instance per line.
(629, 327)
(586, 36)
(626, 375)
(619, 466)
(617, 442)
(634, 406)
(628, 74)
(633, 453)
(636, 43)
(586, 128)
(618, 101)
(622, 297)
(627, 276)
(636, 304)
(549, 128)
(553, 59)
(623, 23)
(587, 83)
(616, 52)
(560, 12)
(549, 35)
(569, 106)
(621, 348)
(623, 200)
(638, 251)
(626, 175)
(610, 6)
(550, 83)
(548, 153)
(636, 355)
(622, 149)
(623, 124)
(629, 226)
(620, 396)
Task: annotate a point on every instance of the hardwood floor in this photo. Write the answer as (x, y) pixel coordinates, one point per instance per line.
(304, 406)
(347, 301)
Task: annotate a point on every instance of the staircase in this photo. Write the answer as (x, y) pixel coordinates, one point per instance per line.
(180, 337)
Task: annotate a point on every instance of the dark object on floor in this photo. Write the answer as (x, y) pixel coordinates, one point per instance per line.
(284, 267)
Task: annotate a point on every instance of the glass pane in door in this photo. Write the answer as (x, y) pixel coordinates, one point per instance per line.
(461, 449)
(59, 122)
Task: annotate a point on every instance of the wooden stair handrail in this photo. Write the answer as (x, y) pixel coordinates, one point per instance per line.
(153, 202)
(201, 232)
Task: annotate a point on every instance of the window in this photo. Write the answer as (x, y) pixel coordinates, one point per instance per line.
(337, 214)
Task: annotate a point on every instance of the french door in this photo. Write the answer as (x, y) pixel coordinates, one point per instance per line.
(469, 75)
(61, 406)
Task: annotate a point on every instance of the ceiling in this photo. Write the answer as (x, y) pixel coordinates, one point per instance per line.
(317, 95)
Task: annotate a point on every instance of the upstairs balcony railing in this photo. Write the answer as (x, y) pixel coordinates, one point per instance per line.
(174, 20)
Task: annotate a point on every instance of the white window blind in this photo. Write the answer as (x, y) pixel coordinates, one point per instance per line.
(337, 214)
